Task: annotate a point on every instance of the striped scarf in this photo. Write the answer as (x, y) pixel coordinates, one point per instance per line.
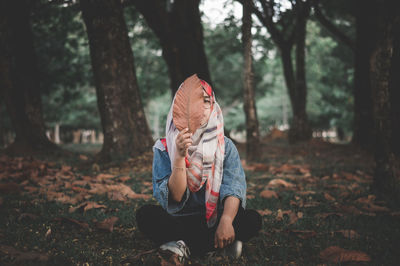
(205, 156)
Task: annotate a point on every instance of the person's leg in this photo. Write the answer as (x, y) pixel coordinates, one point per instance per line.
(158, 225)
(247, 223)
(196, 234)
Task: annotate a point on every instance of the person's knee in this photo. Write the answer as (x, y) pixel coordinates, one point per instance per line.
(145, 214)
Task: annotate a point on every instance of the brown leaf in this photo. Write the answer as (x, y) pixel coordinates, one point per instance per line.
(83, 157)
(10, 187)
(329, 197)
(86, 206)
(375, 208)
(48, 233)
(265, 212)
(304, 234)
(267, 194)
(279, 183)
(325, 215)
(188, 106)
(305, 193)
(102, 177)
(351, 234)
(107, 224)
(336, 255)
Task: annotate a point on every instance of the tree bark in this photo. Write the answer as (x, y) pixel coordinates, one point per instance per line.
(395, 93)
(252, 130)
(181, 37)
(300, 129)
(387, 171)
(126, 132)
(363, 128)
(19, 80)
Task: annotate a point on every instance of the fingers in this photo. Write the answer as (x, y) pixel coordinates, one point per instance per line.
(184, 140)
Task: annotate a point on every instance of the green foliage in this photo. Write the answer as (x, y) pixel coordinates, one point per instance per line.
(330, 79)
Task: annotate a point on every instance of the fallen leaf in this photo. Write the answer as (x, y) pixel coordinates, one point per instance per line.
(304, 234)
(305, 193)
(265, 212)
(375, 208)
(279, 183)
(329, 197)
(336, 255)
(48, 233)
(267, 194)
(86, 206)
(83, 157)
(107, 224)
(328, 214)
(10, 187)
(102, 177)
(351, 234)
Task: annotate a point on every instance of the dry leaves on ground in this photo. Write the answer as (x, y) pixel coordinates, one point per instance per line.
(337, 255)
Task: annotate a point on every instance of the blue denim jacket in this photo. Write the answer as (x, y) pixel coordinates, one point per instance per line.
(233, 183)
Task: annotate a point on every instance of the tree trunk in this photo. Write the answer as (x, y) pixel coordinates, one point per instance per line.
(387, 171)
(395, 93)
(126, 132)
(181, 37)
(19, 80)
(252, 130)
(363, 128)
(300, 129)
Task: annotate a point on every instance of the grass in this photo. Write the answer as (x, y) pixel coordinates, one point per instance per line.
(279, 242)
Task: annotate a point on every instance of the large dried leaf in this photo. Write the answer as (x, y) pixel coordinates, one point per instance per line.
(188, 109)
(336, 255)
(107, 224)
(267, 194)
(279, 183)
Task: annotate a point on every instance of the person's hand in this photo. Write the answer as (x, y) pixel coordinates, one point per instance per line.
(183, 142)
(225, 234)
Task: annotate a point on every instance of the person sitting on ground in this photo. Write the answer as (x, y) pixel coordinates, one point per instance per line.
(198, 180)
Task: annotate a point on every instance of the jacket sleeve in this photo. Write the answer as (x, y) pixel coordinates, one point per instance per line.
(233, 179)
(161, 174)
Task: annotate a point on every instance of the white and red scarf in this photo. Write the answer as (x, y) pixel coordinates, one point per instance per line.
(204, 163)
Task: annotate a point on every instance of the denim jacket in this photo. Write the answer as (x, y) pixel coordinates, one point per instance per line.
(192, 203)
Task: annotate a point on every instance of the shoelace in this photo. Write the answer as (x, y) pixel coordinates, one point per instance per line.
(184, 248)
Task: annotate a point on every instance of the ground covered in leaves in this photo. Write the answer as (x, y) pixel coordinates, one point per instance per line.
(315, 201)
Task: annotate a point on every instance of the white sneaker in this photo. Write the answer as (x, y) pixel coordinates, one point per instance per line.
(234, 250)
(178, 247)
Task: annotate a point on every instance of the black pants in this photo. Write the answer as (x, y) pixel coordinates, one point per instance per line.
(161, 227)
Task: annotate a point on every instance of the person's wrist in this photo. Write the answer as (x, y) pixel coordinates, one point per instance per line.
(225, 219)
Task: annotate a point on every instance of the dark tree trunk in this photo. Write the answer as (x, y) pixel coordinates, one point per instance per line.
(125, 128)
(387, 171)
(19, 80)
(180, 32)
(252, 130)
(395, 93)
(363, 128)
(300, 129)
